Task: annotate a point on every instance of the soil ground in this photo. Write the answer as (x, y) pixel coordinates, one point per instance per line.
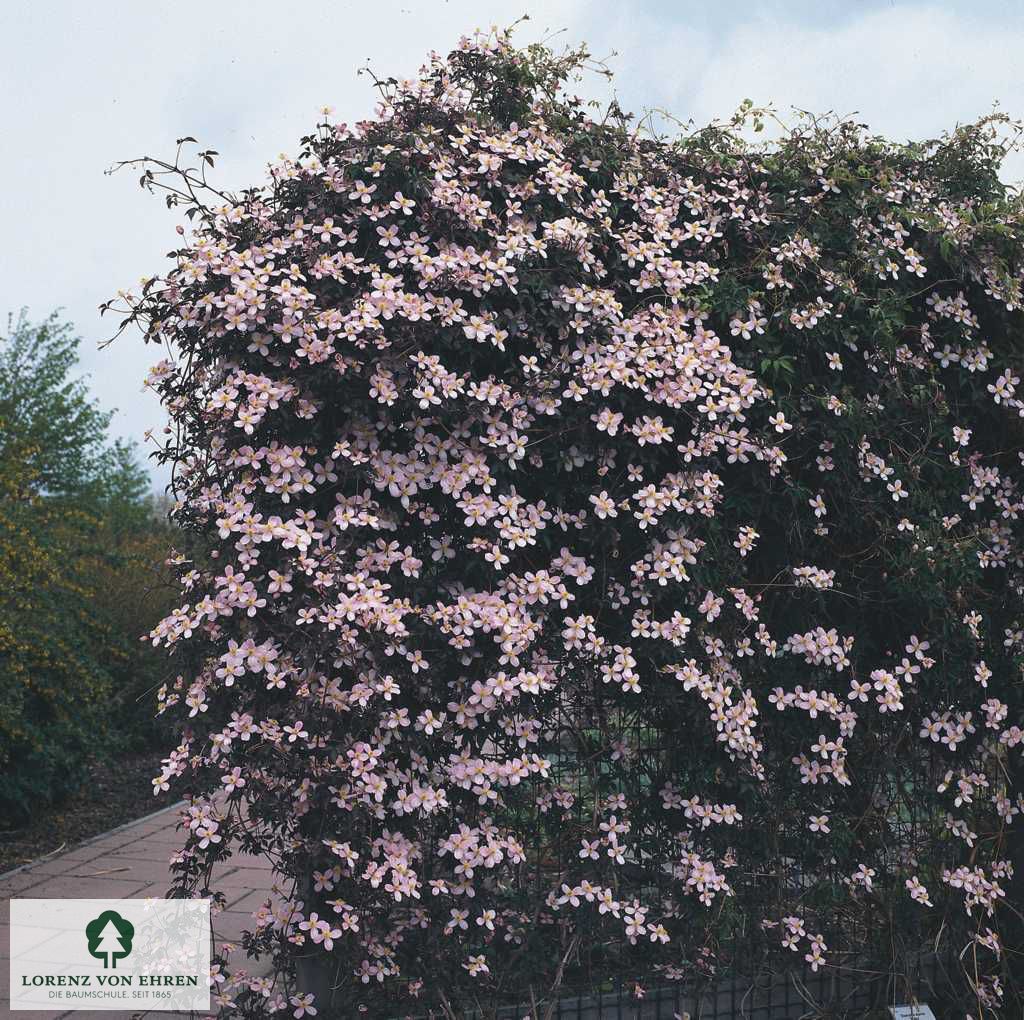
(114, 793)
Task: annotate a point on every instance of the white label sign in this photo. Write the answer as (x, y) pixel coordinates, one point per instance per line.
(128, 955)
(917, 1012)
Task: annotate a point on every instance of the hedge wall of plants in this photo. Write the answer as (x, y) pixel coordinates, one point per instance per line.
(612, 560)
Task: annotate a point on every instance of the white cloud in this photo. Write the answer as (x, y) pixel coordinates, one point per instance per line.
(89, 84)
(906, 73)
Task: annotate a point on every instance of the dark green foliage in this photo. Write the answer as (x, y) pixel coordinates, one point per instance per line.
(78, 539)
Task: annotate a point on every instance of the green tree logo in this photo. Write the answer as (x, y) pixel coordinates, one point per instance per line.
(110, 937)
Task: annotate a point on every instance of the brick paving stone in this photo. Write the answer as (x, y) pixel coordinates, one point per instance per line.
(72, 888)
(155, 1014)
(65, 864)
(155, 822)
(229, 924)
(253, 864)
(246, 901)
(16, 884)
(231, 883)
(141, 852)
(26, 1014)
(131, 861)
(101, 1014)
(158, 891)
(127, 870)
(166, 836)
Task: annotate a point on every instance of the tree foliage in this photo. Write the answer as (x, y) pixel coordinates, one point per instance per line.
(78, 544)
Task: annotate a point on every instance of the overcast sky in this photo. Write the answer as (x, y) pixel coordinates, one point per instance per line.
(87, 84)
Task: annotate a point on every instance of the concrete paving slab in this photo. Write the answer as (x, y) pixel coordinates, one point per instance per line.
(129, 862)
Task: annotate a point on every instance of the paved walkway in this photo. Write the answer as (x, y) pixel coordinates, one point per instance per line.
(128, 862)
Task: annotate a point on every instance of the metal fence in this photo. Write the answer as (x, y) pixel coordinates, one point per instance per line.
(891, 967)
(848, 993)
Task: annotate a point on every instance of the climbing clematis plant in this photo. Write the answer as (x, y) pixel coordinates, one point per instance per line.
(603, 551)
